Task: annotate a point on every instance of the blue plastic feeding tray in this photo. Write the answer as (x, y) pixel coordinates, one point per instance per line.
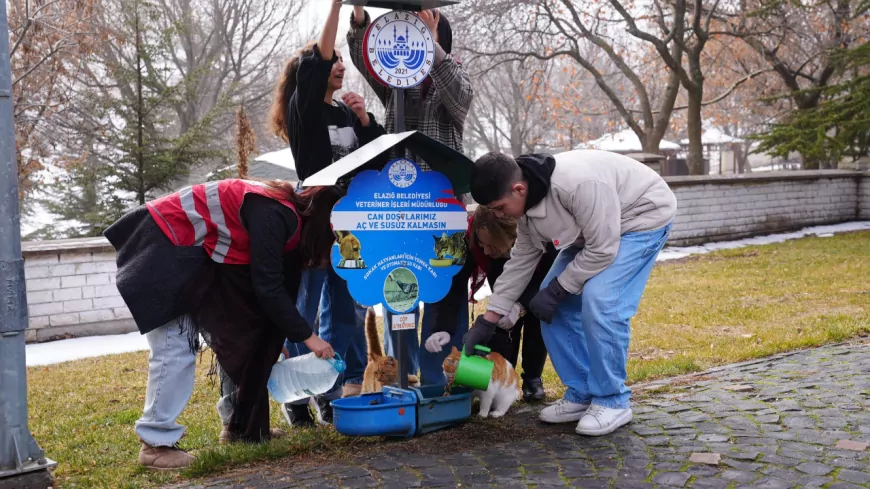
(402, 413)
(392, 412)
(436, 411)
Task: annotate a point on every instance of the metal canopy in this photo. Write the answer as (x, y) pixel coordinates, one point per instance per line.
(374, 155)
(409, 5)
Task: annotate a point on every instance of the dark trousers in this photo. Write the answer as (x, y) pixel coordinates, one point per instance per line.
(507, 343)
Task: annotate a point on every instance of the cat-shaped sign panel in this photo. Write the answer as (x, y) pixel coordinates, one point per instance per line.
(400, 236)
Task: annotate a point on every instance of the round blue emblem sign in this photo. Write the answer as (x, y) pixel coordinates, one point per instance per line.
(399, 50)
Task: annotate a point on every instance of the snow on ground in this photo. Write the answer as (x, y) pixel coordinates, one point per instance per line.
(77, 348)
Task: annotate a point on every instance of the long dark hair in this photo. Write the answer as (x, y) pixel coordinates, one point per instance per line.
(314, 206)
(284, 91)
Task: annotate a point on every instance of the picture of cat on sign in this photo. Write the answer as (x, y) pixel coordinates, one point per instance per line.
(349, 248)
(449, 250)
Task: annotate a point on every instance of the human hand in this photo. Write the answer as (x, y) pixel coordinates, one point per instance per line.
(319, 347)
(358, 105)
(479, 334)
(431, 18)
(547, 300)
(507, 322)
(436, 341)
(359, 15)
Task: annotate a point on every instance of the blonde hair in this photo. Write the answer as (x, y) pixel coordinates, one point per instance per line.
(502, 230)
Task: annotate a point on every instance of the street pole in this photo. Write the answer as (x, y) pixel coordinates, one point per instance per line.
(22, 462)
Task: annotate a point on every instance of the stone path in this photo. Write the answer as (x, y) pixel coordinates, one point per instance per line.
(799, 420)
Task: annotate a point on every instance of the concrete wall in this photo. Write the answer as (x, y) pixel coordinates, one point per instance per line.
(71, 283)
(864, 197)
(71, 289)
(734, 207)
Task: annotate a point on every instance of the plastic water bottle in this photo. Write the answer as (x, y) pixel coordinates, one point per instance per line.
(303, 376)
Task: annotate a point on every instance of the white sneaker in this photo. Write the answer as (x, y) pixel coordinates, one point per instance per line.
(600, 420)
(563, 411)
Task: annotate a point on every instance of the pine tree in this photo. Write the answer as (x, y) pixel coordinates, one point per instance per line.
(133, 150)
(838, 128)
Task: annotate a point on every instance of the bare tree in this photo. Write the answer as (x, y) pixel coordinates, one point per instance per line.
(509, 109)
(47, 39)
(676, 32)
(795, 40)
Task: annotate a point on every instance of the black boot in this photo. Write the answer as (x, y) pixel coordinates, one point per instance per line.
(297, 415)
(324, 410)
(533, 389)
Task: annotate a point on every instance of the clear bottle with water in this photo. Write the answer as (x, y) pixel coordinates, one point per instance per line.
(303, 376)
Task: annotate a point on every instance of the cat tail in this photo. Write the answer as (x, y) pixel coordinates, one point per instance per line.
(372, 341)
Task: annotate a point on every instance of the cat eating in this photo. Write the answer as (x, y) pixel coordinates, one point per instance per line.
(504, 386)
(382, 369)
(452, 246)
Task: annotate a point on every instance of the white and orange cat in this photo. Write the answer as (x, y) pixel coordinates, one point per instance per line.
(381, 369)
(504, 386)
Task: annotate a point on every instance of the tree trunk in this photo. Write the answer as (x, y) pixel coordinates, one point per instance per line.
(140, 113)
(695, 161)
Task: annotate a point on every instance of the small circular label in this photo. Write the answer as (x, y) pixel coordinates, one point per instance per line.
(402, 173)
(398, 49)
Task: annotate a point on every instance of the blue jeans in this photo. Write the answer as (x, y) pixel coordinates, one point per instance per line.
(171, 374)
(588, 338)
(342, 321)
(429, 364)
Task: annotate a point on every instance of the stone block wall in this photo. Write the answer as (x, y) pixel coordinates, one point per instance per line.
(864, 197)
(71, 289)
(71, 283)
(734, 207)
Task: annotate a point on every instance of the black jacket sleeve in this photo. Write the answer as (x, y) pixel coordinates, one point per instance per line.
(312, 80)
(447, 309)
(270, 224)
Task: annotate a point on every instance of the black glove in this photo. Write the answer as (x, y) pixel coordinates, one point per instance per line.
(479, 334)
(545, 302)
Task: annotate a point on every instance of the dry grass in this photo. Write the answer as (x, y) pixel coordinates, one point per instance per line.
(710, 310)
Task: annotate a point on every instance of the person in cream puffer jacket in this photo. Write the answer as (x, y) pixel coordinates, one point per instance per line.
(609, 215)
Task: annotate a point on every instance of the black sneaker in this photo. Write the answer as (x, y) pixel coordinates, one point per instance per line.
(324, 410)
(297, 415)
(533, 389)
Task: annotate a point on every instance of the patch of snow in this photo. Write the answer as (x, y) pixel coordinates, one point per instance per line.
(282, 157)
(77, 348)
(675, 253)
(94, 346)
(624, 141)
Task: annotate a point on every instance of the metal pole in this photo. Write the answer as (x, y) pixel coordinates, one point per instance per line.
(22, 462)
(400, 335)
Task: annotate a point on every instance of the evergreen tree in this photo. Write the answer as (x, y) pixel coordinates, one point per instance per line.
(133, 149)
(839, 127)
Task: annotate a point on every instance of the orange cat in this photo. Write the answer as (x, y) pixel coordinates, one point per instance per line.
(504, 386)
(382, 369)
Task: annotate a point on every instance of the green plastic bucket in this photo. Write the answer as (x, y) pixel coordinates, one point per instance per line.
(474, 371)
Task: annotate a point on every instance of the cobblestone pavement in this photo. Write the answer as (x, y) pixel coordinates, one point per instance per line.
(799, 420)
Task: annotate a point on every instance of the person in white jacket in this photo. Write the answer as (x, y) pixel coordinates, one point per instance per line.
(609, 216)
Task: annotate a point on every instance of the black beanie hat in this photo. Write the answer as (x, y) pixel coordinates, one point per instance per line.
(445, 34)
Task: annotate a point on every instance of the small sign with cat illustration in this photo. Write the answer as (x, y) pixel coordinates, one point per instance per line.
(400, 238)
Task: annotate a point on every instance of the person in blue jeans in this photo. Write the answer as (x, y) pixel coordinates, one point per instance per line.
(609, 216)
(321, 130)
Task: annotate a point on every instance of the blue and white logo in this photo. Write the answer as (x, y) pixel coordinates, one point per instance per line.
(399, 49)
(402, 173)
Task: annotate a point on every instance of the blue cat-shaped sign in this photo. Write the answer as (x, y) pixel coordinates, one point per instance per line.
(400, 236)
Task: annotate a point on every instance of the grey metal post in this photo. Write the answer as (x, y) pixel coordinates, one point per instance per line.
(22, 462)
(401, 359)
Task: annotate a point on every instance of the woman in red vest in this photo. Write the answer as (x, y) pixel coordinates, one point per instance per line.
(221, 260)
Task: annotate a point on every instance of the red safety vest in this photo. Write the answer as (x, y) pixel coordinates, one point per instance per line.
(207, 215)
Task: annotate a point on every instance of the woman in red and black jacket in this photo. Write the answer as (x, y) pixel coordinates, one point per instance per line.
(489, 240)
(222, 260)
